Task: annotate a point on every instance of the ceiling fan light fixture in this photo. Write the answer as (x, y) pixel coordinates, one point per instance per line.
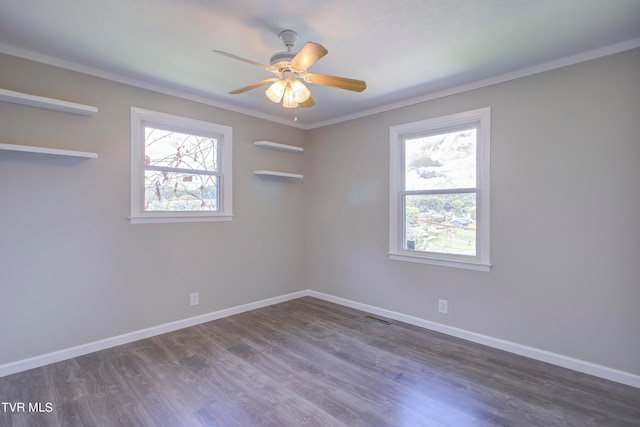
(290, 68)
(275, 91)
(289, 100)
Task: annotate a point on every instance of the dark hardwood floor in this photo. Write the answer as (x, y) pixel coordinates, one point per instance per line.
(308, 362)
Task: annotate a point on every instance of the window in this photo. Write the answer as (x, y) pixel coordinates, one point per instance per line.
(180, 169)
(439, 198)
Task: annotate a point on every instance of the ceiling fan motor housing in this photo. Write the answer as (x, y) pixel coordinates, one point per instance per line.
(282, 60)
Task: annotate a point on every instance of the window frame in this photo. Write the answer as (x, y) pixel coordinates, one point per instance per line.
(139, 119)
(481, 119)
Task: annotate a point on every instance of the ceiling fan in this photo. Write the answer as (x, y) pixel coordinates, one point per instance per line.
(291, 67)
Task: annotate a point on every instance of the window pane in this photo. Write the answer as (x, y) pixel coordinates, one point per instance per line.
(442, 161)
(169, 191)
(443, 223)
(180, 150)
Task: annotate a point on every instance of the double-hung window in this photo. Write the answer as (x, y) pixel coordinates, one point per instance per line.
(181, 169)
(439, 199)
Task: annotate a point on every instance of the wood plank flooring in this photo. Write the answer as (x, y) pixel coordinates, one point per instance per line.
(308, 362)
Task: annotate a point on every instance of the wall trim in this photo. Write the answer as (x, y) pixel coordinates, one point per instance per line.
(511, 347)
(82, 349)
(522, 350)
(209, 100)
(490, 81)
(178, 92)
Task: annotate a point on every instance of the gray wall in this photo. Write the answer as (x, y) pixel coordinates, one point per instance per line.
(74, 270)
(565, 231)
(565, 236)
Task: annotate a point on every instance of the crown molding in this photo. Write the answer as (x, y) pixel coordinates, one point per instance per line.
(180, 93)
(119, 78)
(525, 72)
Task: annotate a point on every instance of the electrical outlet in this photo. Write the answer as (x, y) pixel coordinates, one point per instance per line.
(194, 298)
(442, 306)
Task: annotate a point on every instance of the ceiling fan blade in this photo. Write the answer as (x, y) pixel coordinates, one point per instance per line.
(253, 86)
(333, 81)
(308, 103)
(308, 56)
(248, 61)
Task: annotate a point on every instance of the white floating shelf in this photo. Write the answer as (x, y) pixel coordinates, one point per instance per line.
(44, 150)
(46, 103)
(278, 146)
(275, 173)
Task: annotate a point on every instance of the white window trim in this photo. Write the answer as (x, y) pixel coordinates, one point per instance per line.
(138, 215)
(396, 252)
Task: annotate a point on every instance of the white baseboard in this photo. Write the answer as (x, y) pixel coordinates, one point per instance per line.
(533, 353)
(523, 350)
(57, 356)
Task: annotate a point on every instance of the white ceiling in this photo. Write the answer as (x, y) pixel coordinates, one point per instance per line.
(404, 49)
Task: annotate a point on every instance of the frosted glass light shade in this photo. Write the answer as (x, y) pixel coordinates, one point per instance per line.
(300, 91)
(275, 91)
(289, 100)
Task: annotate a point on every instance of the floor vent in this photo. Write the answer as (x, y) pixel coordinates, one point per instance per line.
(386, 322)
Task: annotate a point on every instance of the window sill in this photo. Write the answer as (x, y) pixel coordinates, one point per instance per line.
(158, 219)
(467, 265)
